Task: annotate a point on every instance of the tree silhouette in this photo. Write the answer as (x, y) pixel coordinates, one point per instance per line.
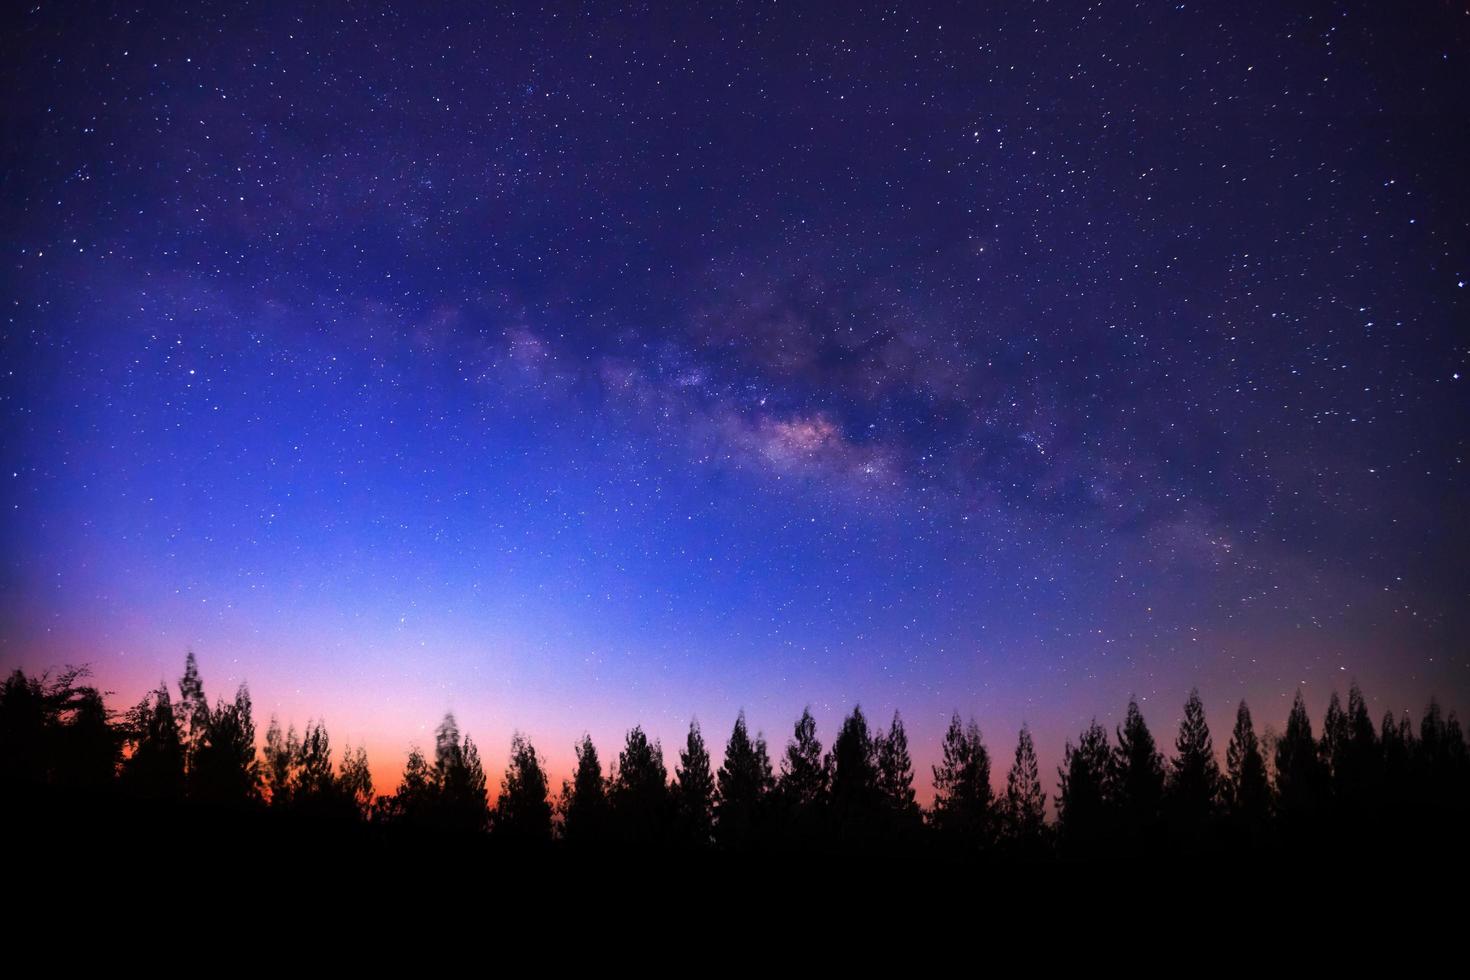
(694, 791)
(89, 748)
(584, 804)
(639, 794)
(1085, 792)
(1248, 793)
(896, 780)
(1138, 779)
(1194, 776)
(154, 767)
(1376, 790)
(24, 738)
(56, 732)
(856, 799)
(963, 798)
(356, 781)
(745, 783)
(523, 813)
(192, 710)
(315, 792)
(461, 804)
(1025, 803)
(1300, 777)
(282, 756)
(224, 768)
(414, 805)
(805, 776)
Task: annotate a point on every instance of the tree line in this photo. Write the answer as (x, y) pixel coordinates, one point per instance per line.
(1117, 795)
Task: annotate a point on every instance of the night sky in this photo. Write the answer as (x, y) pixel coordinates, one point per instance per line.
(572, 367)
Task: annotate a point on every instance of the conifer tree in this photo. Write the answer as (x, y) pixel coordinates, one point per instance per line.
(639, 793)
(225, 769)
(1085, 791)
(856, 802)
(1248, 791)
(1138, 778)
(1025, 803)
(694, 791)
(461, 803)
(1300, 777)
(1194, 775)
(356, 781)
(896, 778)
(745, 782)
(192, 710)
(155, 768)
(804, 770)
(523, 813)
(282, 753)
(963, 802)
(584, 804)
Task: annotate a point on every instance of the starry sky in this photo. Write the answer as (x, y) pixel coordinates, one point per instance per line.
(576, 366)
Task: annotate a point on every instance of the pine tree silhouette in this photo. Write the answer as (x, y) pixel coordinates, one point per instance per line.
(461, 803)
(523, 814)
(225, 769)
(963, 798)
(639, 793)
(896, 782)
(1194, 777)
(356, 781)
(154, 768)
(856, 801)
(1301, 782)
(1247, 790)
(745, 783)
(804, 780)
(1085, 793)
(694, 792)
(584, 804)
(192, 710)
(1138, 781)
(1025, 803)
(282, 756)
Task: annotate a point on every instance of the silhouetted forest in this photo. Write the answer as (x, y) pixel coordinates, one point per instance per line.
(1387, 786)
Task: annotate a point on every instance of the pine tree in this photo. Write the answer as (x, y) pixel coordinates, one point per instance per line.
(1300, 777)
(523, 813)
(1248, 791)
(461, 804)
(1331, 749)
(1194, 775)
(745, 782)
(282, 752)
(414, 803)
(584, 805)
(856, 801)
(1085, 791)
(316, 791)
(192, 711)
(1025, 803)
(225, 769)
(155, 768)
(804, 780)
(356, 780)
(694, 791)
(896, 778)
(639, 794)
(1138, 778)
(963, 801)
(1358, 774)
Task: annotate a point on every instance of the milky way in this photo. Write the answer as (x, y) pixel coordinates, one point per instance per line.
(577, 367)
